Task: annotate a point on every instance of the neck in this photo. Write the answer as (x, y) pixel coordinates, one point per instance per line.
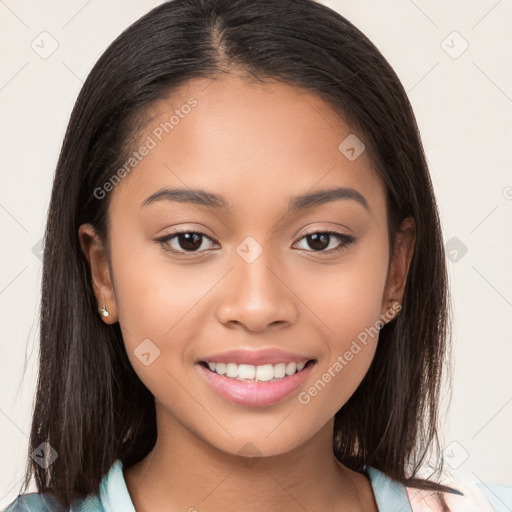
(183, 472)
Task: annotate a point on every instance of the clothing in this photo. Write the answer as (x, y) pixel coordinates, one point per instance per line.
(390, 495)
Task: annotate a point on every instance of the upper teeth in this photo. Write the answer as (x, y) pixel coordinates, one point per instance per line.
(263, 373)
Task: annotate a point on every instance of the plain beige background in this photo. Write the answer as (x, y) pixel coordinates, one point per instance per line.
(453, 58)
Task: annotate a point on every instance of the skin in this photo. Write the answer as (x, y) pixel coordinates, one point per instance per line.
(257, 146)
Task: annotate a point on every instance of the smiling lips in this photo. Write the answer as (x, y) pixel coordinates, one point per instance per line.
(260, 373)
(255, 378)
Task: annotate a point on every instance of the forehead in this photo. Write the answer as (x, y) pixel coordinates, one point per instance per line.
(247, 142)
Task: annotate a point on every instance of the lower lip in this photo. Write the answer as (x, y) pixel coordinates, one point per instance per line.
(255, 394)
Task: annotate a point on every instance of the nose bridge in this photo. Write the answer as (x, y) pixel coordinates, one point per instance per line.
(257, 296)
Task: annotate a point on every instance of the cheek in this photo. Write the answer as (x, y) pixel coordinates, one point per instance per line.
(159, 306)
(348, 303)
(347, 297)
(153, 296)
(143, 292)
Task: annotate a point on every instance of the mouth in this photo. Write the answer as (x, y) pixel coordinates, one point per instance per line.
(256, 373)
(255, 385)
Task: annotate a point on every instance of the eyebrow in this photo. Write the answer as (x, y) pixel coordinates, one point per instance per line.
(202, 198)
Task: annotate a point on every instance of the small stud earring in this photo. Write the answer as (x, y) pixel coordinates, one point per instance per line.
(103, 311)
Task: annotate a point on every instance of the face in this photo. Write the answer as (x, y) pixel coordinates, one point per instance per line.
(254, 279)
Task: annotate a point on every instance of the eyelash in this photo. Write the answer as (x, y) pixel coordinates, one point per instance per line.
(345, 240)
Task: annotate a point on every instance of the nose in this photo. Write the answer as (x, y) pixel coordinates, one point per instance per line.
(257, 296)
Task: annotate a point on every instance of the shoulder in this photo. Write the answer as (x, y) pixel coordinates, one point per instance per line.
(33, 502)
(113, 496)
(45, 502)
(475, 497)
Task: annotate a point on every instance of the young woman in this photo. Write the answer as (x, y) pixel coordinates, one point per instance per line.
(244, 301)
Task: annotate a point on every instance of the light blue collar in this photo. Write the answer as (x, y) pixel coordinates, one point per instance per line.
(390, 495)
(114, 495)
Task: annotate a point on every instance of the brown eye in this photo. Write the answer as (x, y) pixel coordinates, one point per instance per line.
(319, 241)
(185, 241)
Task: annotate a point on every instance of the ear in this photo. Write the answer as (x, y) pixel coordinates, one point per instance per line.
(398, 269)
(101, 274)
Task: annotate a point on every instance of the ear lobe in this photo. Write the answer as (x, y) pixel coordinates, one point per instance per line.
(405, 239)
(97, 259)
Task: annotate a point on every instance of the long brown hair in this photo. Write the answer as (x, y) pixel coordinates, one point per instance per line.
(91, 407)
